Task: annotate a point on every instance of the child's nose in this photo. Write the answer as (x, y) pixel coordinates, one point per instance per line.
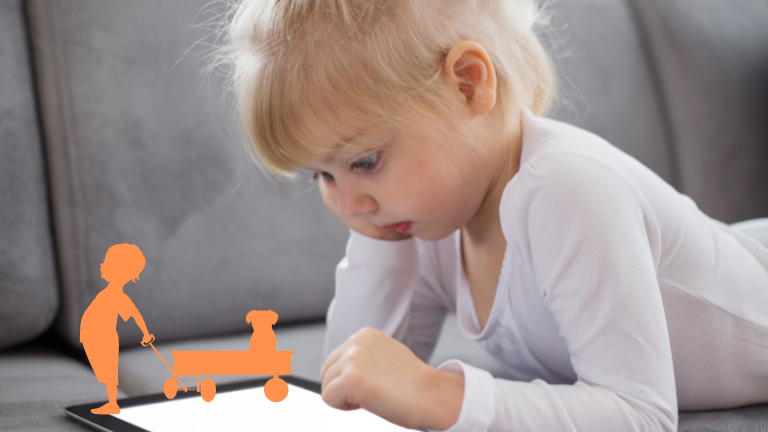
(353, 203)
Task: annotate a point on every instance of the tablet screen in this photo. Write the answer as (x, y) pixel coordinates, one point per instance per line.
(249, 409)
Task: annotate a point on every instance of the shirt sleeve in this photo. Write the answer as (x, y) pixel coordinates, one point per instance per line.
(586, 233)
(381, 284)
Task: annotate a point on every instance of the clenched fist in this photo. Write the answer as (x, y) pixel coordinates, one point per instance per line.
(374, 371)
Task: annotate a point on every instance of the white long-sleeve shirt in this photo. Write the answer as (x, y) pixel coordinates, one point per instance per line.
(619, 301)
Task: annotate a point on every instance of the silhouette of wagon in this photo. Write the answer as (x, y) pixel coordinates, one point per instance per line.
(199, 363)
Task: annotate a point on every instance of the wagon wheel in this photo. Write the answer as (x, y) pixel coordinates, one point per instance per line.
(208, 389)
(276, 389)
(169, 388)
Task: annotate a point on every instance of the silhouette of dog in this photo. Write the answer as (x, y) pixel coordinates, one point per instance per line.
(263, 339)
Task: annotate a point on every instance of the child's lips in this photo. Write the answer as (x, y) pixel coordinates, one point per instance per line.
(401, 227)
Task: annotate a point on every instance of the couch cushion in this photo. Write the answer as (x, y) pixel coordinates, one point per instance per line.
(746, 419)
(607, 85)
(29, 293)
(37, 383)
(712, 60)
(141, 151)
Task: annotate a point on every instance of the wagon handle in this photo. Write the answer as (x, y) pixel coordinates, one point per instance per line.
(166, 364)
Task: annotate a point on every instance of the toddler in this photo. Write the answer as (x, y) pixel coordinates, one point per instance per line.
(609, 294)
(98, 331)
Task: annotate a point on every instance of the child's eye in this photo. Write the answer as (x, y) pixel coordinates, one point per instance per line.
(327, 176)
(367, 163)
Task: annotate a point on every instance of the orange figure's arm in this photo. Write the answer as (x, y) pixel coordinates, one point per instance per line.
(140, 322)
(132, 311)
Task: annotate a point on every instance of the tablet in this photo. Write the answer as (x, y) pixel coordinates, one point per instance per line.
(236, 406)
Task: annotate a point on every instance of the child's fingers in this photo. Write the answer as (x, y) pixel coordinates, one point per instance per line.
(338, 389)
(333, 357)
(351, 345)
(332, 371)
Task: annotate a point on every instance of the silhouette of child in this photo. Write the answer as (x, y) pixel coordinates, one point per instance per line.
(98, 327)
(263, 338)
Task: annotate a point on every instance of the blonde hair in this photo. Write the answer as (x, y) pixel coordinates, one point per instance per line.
(300, 62)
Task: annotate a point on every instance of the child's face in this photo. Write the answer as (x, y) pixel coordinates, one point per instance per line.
(112, 272)
(419, 176)
(107, 271)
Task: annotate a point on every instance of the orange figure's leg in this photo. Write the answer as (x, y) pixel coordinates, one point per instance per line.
(111, 406)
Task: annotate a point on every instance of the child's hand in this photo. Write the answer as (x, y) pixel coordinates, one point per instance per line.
(147, 339)
(365, 228)
(374, 371)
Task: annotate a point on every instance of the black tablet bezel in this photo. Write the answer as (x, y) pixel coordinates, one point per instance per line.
(108, 423)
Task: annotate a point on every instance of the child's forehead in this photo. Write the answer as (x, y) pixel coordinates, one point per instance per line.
(340, 137)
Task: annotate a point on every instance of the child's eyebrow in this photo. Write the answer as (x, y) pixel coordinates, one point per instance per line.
(328, 160)
(344, 142)
(332, 154)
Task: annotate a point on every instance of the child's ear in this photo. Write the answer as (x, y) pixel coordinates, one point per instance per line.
(468, 71)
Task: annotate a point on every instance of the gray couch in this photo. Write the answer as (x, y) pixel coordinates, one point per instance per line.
(110, 133)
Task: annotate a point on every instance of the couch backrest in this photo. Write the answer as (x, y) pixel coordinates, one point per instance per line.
(711, 58)
(29, 292)
(607, 84)
(140, 147)
(140, 150)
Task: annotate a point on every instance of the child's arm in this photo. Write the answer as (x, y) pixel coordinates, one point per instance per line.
(140, 322)
(382, 284)
(593, 247)
(392, 287)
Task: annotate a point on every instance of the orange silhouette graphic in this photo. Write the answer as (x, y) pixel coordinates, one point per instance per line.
(98, 327)
(263, 338)
(260, 359)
